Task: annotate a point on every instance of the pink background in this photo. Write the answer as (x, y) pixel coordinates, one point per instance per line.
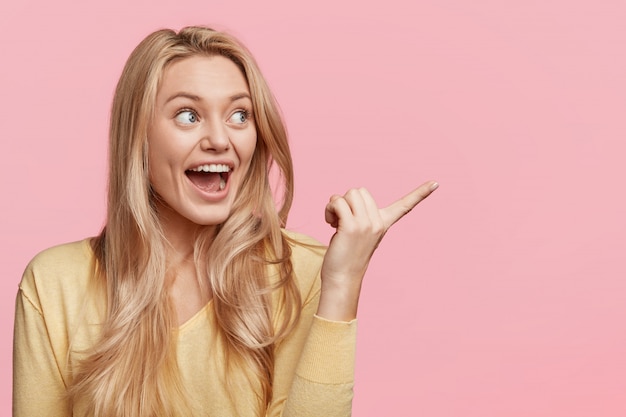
(502, 295)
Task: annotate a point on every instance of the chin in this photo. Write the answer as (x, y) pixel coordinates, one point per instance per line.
(215, 218)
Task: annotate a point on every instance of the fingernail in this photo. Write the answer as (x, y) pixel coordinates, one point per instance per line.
(434, 186)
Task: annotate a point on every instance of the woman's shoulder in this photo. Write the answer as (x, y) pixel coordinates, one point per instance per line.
(67, 256)
(304, 247)
(307, 255)
(59, 269)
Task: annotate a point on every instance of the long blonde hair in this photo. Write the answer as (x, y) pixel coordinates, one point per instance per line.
(233, 262)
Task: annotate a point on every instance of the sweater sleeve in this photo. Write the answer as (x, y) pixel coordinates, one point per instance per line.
(314, 375)
(49, 299)
(38, 387)
(324, 379)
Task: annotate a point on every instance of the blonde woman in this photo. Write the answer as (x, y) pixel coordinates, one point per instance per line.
(194, 301)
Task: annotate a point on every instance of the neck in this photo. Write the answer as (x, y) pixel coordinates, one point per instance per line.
(180, 233)
(187, 291)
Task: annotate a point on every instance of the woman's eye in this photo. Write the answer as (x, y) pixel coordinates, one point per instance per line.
(239, 117)
(186, 117)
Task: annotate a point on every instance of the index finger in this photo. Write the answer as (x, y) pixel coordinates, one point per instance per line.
(401, 207)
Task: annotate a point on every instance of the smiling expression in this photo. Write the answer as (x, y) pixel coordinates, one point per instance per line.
(201, 140)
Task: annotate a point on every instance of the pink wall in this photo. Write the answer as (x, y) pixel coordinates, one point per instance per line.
(502, 295)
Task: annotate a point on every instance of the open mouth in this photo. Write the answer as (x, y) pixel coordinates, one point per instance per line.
(209, 177)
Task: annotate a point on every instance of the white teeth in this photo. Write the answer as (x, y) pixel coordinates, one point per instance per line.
(222, 183)
(211, 168)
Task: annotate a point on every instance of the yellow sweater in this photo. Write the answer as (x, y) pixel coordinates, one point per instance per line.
(314, 368)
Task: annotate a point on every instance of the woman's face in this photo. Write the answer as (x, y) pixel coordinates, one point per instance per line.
(201, 140)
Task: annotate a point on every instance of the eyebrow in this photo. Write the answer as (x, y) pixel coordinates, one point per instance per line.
(194, 97)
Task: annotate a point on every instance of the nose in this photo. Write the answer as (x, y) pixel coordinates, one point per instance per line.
(215, 137)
